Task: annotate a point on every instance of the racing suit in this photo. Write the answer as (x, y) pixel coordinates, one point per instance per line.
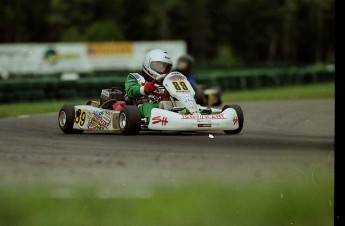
(191, 80)
(134, 87)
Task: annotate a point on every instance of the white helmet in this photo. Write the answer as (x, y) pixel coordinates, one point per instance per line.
(156, 63)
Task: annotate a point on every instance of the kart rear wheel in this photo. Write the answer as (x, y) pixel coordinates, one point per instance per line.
(66, 119)
(130, 120)
(240, 117)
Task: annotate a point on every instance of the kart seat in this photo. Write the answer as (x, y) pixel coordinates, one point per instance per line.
(119, 105)
(129, 101)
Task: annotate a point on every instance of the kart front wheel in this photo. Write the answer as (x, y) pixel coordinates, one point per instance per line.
(240, 118)
(130, 120)
(66, 119)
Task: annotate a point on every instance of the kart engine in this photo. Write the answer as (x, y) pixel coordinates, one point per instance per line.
(110, 96)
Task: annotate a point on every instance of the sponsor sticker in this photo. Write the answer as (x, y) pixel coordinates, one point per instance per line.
(136, 76)
(97, 116)
(99, 120)
(201, 117)
(105, 93)
(94, 125)
(131, 80)
(176, 77)
(159, 119)
(106, 117)
(235, 120)
(204, 125)
(103, 123)
(204, 121)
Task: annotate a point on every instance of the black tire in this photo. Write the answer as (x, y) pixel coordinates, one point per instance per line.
(240, 117)
(130, 120)
(66, 119)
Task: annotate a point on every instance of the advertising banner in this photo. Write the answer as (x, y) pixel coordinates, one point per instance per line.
(43, 58)
(80, 57)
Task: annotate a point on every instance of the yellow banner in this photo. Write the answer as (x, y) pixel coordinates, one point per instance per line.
(110, 48)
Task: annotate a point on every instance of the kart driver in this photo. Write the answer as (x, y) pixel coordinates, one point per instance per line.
(185, 65)
(156, 65)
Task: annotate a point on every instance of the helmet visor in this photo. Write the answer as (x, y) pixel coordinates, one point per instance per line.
(160, 67)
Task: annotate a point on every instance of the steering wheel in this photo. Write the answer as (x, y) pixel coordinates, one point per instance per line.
(158, 94)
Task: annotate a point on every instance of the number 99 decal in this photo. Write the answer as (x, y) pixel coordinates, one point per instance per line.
(80, 116)
(180, 86)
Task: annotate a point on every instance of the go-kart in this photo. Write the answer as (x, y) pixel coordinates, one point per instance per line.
(208, 96)
(177, 111)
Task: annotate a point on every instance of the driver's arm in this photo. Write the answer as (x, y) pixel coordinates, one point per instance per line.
(133, 88)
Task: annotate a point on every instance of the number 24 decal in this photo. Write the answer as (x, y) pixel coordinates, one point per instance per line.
(80, 117)
(180, 86)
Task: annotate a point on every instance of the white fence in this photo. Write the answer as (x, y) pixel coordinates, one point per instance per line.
(80, 57)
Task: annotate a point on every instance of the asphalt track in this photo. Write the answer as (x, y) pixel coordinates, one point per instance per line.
(280, 139)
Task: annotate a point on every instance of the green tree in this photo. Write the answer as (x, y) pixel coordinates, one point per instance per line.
(228, 31)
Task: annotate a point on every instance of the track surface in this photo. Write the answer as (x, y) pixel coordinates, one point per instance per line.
(280, 139)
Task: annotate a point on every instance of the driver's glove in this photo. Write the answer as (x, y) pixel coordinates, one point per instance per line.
(150, 87)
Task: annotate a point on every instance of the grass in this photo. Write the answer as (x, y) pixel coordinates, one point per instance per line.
(292, 202)
(15, 109)
(323, 90)
(312, 91)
